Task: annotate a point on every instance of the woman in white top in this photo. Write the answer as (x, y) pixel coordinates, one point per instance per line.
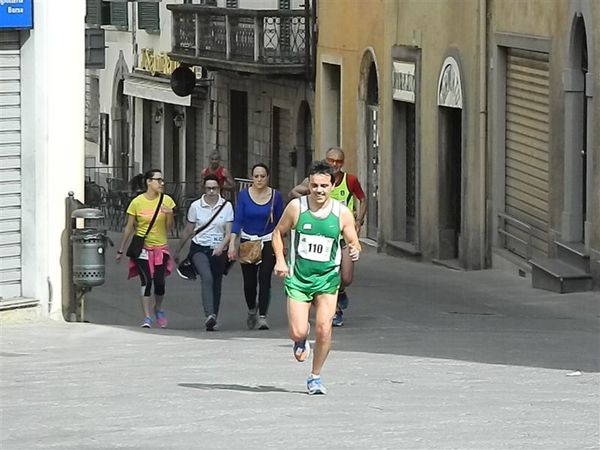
(208, 250)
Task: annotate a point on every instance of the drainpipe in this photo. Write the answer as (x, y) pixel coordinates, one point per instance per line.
(134, 46)
(483, 115)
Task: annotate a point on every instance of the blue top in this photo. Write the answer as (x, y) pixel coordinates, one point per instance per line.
(252, 217)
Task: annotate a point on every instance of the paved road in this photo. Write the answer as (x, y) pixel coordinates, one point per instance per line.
(429, 358)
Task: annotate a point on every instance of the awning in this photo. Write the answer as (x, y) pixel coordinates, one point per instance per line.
(159, 91)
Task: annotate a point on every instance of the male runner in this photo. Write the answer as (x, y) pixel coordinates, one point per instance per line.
(347, 189)
(312, 277)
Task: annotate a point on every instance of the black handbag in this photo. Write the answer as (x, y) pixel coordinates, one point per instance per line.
(137, 242)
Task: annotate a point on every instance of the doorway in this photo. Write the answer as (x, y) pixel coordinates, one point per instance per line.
(404, 160)
(450, 181)
(238, 133)
(576, 227)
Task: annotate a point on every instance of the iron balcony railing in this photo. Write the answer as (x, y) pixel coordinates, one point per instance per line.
(260, 41)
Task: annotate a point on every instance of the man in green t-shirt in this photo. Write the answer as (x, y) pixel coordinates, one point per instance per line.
(312, 276)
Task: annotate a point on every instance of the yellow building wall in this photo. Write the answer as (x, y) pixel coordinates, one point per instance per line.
(346, 29)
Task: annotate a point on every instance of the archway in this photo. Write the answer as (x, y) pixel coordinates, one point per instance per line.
(450, 160)
(302, 155)
(369, 139)
(120, 122)
(578, 132)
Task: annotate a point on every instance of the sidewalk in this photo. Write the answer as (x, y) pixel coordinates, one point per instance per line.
(428, 358)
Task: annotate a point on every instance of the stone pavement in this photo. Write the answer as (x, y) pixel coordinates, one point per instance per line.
(429, 358)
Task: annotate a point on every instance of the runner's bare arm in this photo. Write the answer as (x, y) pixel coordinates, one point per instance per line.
(300, 190)
(348, 226)
(286, 223)
(362, 211)
(228, 183)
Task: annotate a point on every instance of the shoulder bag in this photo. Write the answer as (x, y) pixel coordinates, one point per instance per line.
(186, 269)
(251, 251)
(137, 242)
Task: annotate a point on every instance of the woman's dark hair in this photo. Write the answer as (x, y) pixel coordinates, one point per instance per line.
(263, 165)
(149, 175)
(323, 168)
(210, 177)
(137, 183)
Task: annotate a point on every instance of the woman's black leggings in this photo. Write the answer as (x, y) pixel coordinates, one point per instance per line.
(259, 276)
(159, 276)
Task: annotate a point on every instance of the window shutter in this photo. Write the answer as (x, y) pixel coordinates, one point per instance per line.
(148, 16)
(92, 12)
(94, 48)
(118, 14)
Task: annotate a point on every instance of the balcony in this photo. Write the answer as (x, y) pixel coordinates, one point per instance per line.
(270, 42)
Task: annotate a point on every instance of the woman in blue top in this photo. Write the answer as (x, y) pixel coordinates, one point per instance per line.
(257, 211)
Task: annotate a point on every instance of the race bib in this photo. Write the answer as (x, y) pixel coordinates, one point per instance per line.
(315, 248)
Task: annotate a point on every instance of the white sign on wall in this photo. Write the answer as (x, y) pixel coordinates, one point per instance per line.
(403, 82)
(449, 85)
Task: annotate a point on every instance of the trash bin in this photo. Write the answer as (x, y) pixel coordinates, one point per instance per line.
(89, 248)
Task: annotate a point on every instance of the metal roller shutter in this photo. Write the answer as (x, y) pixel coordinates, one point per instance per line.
(10, 165)
(527, 136)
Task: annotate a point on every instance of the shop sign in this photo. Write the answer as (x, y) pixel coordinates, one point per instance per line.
(449, 85)
(160, 63)
(403, 82)
(16, 14)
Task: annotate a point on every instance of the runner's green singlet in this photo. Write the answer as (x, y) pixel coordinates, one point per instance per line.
(315, 254)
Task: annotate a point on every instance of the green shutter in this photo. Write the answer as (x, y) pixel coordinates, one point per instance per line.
(118, 14)
(148, 17)
(92, 12)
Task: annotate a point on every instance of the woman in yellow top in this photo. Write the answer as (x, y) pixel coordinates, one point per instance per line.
(154, 262)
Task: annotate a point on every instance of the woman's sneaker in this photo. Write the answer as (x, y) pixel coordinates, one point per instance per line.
(314, 386)
(252, 319)
(161, 318)
(211, 322)
(147, 323)
(262, 323)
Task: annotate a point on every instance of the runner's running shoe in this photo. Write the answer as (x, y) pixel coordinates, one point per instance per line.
(147, 323)
(302, 348)
(161, 318)
(338, 319)
(314, 386)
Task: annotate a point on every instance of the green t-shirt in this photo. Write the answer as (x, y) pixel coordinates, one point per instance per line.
(143, 210)
(315, 251)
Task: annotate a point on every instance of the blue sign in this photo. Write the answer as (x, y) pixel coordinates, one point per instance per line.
(16, 14)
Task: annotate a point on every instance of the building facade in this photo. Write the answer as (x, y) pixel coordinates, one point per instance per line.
(41, 154)
(134, 120)
(470, 123)
(258, 58)
(544, 147)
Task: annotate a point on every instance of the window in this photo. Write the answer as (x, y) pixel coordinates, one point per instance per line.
(148, 16)
(99, 12)
(104, 138)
